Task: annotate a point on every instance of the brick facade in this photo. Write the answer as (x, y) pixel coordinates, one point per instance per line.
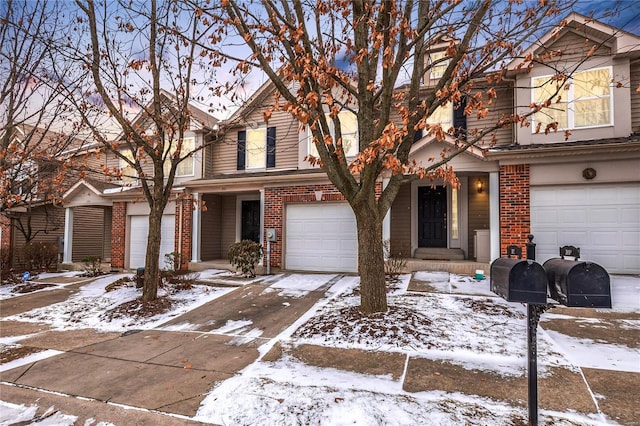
(275, 199)
(515, 212)
(184, 227)
(118, 234)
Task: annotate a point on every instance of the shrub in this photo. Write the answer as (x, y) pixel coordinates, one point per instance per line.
(40, 256)
(172, 260)
(245, 255)
(396, 259)
(91, 266)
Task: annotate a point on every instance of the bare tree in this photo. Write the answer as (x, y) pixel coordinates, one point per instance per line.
(35, 126)
(141, 60)
(371, 58)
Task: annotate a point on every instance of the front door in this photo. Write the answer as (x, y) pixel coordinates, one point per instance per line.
(432, 216)
(250, 218)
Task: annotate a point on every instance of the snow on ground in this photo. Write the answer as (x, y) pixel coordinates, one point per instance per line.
(469, 326)
(8, 291)
(87, 308)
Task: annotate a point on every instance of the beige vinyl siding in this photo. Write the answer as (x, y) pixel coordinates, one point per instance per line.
(576, 46)
(225, 152)
(401, 222)
(106, 241)
(478, 214)
(46, 221)
(88, 233)
(211, 231)
(635, 96)
(501, 106)
(228, 214)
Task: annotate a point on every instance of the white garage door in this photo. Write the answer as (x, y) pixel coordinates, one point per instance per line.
(138, 241)
(603, 221)
(321, 237)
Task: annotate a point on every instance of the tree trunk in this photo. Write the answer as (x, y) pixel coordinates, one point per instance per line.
(373, 290)
(151, 264)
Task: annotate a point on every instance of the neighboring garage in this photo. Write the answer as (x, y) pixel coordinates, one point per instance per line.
(138, 240)
(602, 220)
(321, 237)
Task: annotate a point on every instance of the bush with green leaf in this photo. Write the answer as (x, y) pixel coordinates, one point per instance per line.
(245, 255)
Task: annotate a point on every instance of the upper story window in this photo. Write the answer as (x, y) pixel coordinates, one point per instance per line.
(128, 172)
(585, 100)
(449, 116)
(349, 128)
(257, 148)
(439, 64)
(186, 166)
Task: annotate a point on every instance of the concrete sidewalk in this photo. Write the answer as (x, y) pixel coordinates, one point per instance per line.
(158, 371)
(162, 375)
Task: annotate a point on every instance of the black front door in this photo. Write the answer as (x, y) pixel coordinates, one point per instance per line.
(250, 217)
(432, 216)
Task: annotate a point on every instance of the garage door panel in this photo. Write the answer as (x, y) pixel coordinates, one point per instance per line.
(603, 220)
(631, 239)
(320, 237)
(631, 216)
(139, 232)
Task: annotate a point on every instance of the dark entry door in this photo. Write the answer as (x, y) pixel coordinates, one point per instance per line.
(432, 216)
(250, 220)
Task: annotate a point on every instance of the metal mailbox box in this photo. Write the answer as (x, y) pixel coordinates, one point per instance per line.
(578, 283)
(518, 280)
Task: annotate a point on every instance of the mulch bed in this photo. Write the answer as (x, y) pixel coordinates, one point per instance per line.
(138, 309)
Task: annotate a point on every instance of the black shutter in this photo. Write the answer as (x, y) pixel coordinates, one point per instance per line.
(242, 148)
(271, 147)
(459, 119)
(417, 135)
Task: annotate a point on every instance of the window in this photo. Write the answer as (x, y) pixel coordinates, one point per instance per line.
(257, 148)
(442, 115)
(349, 127)
(129, 173)
(438, 65)
(585, 100)
(185, 167)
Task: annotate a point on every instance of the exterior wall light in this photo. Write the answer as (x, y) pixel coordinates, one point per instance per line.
(479, 186)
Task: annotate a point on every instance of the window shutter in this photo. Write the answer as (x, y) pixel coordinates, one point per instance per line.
(242, 148)
(271, 147)
(459, 119)
(417, 135)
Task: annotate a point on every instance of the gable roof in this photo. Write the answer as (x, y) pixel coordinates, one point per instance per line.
(620, 41)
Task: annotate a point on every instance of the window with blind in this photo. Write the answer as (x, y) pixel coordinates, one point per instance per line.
(583, 101)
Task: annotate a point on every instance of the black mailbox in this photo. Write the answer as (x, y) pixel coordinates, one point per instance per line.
(578, 283)
(518, 280)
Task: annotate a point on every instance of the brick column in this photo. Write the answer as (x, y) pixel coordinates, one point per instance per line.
(515, 211)
(184, 213)
(118, 234)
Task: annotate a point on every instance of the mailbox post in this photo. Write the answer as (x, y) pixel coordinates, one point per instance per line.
(569, 282)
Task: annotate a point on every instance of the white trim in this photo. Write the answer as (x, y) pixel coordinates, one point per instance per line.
(196, 229)
(386, 221)
(68, 235)
(494, 214)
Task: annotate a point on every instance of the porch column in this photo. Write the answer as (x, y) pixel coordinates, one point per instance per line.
(196, 228)
(494, 214)
(386, 222)
(68, 235)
